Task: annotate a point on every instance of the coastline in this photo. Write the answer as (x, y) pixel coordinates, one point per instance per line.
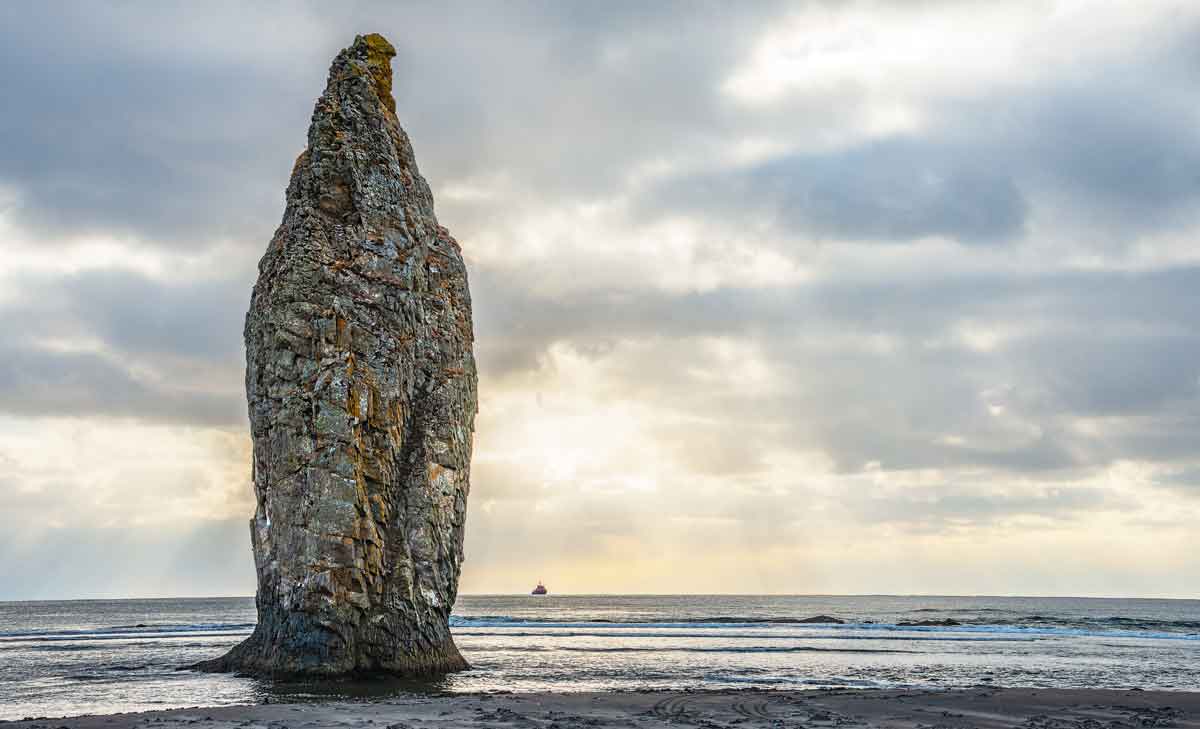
(981, 707)
(72, 658)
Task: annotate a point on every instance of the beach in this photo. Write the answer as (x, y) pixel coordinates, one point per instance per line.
(984, 708)
(74, 658)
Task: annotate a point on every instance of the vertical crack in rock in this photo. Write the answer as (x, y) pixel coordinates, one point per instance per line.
(362, 397)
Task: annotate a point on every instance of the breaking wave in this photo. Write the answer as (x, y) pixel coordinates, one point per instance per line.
(684, 649)
(793, 680)
(121, 632)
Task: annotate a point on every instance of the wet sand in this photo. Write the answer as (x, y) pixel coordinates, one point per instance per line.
(983, 708)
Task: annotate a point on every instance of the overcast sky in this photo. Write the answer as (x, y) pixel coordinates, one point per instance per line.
(812, 297)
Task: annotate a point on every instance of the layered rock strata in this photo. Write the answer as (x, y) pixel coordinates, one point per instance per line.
(362, 397)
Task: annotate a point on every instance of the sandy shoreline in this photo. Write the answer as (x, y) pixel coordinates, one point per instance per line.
(911, 709)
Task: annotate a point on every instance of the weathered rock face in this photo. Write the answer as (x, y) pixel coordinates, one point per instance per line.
(362, 396)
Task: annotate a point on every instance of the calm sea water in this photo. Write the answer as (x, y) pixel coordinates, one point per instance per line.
(64, 658)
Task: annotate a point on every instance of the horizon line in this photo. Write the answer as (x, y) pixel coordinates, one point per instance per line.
(642, 594)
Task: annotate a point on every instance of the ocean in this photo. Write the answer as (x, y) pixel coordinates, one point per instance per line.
(60, 658)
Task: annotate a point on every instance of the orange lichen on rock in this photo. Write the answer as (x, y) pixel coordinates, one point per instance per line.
(379, 60)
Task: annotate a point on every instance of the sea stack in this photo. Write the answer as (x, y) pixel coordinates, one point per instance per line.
(362, 396)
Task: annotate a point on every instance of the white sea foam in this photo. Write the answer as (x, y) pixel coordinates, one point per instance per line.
(843, 631)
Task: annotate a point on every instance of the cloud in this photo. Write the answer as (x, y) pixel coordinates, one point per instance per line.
(893, 190)
(127, 136)
(934, 508)
(1186, 479)
(39, 383)
(988, 372)
(1111, 142)
(113, 342)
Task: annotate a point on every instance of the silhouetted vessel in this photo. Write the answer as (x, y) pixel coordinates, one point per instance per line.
(539, 590)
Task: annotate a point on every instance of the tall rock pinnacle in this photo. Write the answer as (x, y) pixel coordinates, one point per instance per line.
(362, 396)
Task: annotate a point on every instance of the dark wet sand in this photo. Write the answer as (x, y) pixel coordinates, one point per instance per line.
(982, 707)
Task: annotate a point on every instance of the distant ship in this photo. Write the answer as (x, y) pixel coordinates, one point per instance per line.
(539, 590)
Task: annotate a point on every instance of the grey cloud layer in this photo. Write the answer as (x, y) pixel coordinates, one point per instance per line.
(1086, 345)
(114, 139)
(166, 352)
(563, 102)
(896, 190)
(1113, 145)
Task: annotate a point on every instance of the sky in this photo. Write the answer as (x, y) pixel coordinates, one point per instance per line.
(825, 297)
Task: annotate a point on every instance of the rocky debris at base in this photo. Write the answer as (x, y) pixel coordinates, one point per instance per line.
(823, 619)
(947, 623)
